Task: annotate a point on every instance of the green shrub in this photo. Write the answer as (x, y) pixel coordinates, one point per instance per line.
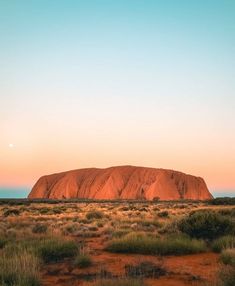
(100, 224)
(163, 214)
(170, 228)
(222, 201)
(119, 233)
(83, 261)
(227, 276)
(10, 212)
(53, 250)
(84, 221)
(228, 256)
(227, 212)
(39, 228)
(44, 210)
(94, 215)
(223, 242)
(141, 244)
(3, 242)
(52, 210)
(207, 225)
(56, 210)
(71, 228)
(20, 268)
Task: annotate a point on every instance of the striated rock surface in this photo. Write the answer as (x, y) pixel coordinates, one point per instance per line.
(124, 182)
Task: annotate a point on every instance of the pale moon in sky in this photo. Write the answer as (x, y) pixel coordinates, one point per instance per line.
(11, 145)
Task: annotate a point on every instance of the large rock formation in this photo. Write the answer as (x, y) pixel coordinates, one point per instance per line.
(124, 182)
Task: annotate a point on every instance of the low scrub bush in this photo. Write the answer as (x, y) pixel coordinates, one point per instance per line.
(71, 228)
(57, 210)
(223, 201)
(11, 212)
(94, 215)
(100, 224)
(223, 242)
(206, 225)
(170, 228)
(119, 233)
(3, 242)
(84, 221)
(163, 214)
(228, 256)
(83, 261)
(227, 276)
(53, 250)
(52, 210)
(142, 244)
(227, 212)
(39, 228)
(44, 210)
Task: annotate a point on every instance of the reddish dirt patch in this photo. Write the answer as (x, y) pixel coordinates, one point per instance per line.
(181, 270)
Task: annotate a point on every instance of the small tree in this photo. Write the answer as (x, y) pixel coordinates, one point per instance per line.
(207, 225)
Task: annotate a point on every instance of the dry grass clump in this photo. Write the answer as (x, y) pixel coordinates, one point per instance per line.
(83, 260)
(39, 228)
(170, 227)
(19, 268)
(228, 256)
(222, 201)
(143, 244)
(3, 242)
(227, 212)
(223, 242)
(227, 276)
(55, 249)
(163, 214)
(120, 233)
(94, 215)
(99, 224)
(70, 229)
(11, 212)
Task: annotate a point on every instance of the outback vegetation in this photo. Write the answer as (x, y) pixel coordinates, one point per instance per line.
(127, 243)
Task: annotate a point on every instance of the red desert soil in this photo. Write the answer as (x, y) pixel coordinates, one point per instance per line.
(181, 270)
(124, 182)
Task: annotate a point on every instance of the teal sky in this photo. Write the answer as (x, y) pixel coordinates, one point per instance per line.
(100, 83)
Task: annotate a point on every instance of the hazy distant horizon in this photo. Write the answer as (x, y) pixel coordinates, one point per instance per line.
(22, 192)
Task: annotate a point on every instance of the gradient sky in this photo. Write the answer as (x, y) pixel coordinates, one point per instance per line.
(101, 83)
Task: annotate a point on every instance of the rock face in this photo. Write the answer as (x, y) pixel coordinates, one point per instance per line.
(124, 182)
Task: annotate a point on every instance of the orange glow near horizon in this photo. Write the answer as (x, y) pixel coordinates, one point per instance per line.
(23, 164)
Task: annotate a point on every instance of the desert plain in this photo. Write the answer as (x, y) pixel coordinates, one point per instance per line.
(117, 243)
